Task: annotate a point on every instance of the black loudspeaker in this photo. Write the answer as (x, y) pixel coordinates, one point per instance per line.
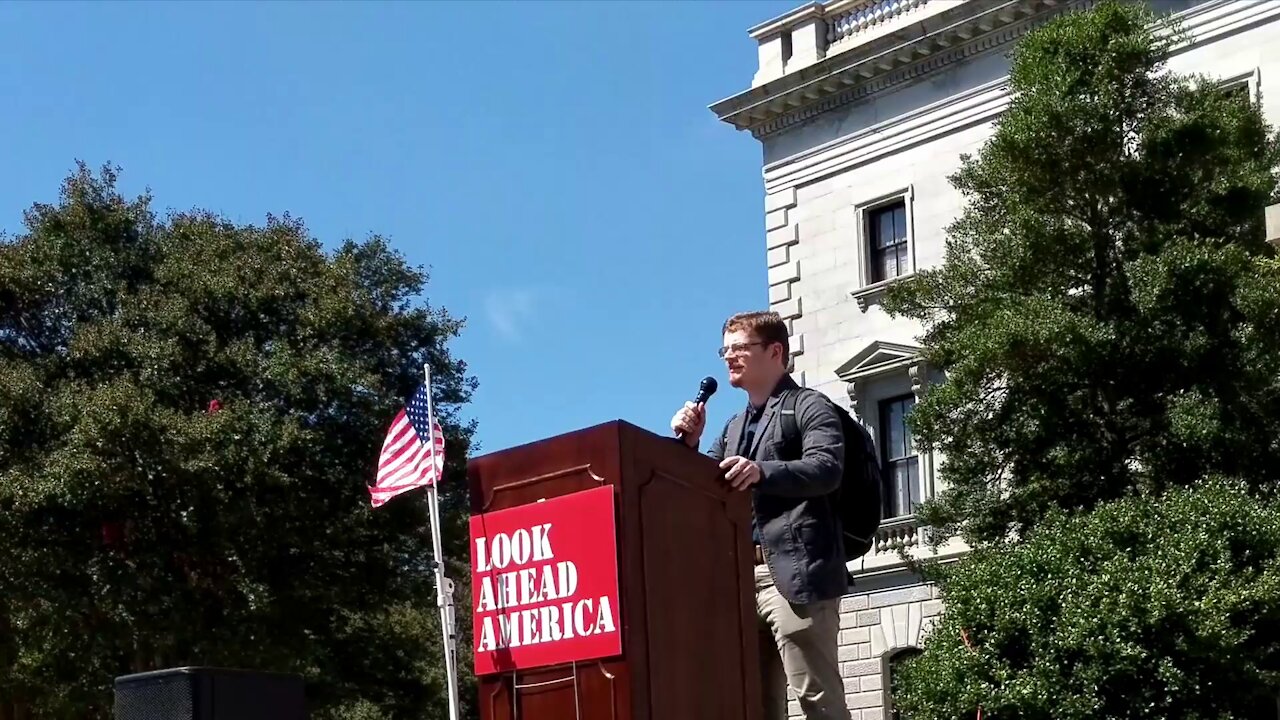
(202, 693)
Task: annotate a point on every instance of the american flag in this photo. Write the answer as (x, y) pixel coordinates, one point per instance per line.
(413, 453)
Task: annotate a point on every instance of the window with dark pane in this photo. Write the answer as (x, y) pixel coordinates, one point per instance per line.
(903, 491)
(1238, 91)
(887, 235)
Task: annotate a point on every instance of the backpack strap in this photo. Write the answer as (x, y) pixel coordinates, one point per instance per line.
(790, 427)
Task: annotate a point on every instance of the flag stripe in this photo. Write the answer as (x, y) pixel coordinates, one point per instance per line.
(408, 460)
(398, 438)
(409, 469)
(409, 465)
(403, 436)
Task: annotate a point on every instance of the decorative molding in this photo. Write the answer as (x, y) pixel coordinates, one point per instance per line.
(971, 28)
(919, 374)
(843, 25)
(807, 35)
(1250, 80)
(873, 293)
(537, 479)
(980, 45)
(958, 32)
(900, 626)
(867, 290)
(897, 534)
(1215, 19)
(979, 104)
(877, 358)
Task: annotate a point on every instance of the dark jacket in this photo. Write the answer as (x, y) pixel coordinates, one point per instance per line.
(794, 504)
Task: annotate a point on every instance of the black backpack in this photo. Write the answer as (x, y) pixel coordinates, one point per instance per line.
(858, 501)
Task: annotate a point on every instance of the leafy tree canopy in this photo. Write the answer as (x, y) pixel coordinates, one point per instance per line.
(1147, 608)
(190, 410)
(1107, 312)
(1108, 318)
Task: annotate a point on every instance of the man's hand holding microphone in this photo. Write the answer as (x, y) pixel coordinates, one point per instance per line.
(688, 424)
(690, 420)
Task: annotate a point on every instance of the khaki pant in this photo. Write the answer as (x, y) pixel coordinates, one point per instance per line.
(798, 649)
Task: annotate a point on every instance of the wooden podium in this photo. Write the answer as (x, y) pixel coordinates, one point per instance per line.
(685, 581)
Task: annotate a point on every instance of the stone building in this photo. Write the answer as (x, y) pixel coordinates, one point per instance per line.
(863, 108)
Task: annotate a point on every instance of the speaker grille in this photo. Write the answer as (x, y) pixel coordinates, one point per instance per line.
(170, 697)
(203, 693)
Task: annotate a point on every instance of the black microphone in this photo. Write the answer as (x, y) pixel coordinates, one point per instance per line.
(706, 389)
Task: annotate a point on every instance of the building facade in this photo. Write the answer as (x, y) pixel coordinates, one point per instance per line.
(863, 108)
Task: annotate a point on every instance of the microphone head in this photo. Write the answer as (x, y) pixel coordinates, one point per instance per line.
(706, 389)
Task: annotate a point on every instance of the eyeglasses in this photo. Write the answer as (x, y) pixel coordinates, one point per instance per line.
(738, 348)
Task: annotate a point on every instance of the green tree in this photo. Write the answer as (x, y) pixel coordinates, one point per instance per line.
(1107, 312)
(1108, 319)
(190, 410)
(1149, 607)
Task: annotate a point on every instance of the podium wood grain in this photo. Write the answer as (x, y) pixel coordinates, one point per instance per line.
(689, 643)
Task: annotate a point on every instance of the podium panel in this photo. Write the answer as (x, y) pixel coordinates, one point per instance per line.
(684, 578)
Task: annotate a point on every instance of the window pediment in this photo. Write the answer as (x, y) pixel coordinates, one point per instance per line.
(877, 358)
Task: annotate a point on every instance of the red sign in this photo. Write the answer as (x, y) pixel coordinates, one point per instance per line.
(544, 583)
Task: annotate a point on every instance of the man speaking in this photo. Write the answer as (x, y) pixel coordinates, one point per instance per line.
(800, 573)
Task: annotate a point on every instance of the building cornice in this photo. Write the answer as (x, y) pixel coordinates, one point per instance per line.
(960, 31)
(964, 28)
(970, 107)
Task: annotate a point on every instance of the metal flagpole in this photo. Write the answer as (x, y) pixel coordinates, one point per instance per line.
(444, 586)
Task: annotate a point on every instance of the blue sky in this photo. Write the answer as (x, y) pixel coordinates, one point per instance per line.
(554, 164)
